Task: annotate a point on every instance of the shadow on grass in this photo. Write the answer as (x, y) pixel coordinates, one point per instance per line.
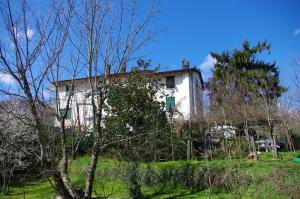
(172, 191)
(177, 192)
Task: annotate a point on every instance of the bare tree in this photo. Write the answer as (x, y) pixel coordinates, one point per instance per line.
(32, 45)
(286, 117)
(106, 35)
(267, 101)
(112, 33)
(18, 141)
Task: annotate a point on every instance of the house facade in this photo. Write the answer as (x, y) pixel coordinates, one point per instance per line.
(184, 88)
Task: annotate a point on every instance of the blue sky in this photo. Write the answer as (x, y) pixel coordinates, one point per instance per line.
(194, 28)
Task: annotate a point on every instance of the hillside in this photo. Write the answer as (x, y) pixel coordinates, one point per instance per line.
(266, 178)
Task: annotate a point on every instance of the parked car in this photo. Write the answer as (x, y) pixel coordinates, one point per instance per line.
(266, 145)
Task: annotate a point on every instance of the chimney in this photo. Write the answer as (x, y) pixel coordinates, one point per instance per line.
(122, 67)
(185, 64)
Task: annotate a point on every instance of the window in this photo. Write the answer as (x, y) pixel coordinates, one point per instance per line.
(68, 88)
(69, 114)
(96, 93)
(170, 82)
(170, 103)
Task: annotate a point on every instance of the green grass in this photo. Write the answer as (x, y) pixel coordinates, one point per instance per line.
(266, 178)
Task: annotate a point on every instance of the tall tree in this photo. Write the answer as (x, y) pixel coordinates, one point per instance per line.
(106, 35)
(33, 41)
(137, 115)
(240, 72)
(240, 78)
(111, 33)
(18, 142)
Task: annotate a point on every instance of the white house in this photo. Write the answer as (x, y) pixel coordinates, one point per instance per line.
(184, 88)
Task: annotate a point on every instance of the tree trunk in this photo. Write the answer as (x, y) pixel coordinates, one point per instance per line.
(251, 142)
(91, 174)
(5, 184)
(274, 147)
(73, 145)
(253, 148)
(135, 187)
(59, 185)
(247, 136)
(247, 129)
(95, 155)
(74, 149)
(172, 146)
(289, 139)
(188, 149)
(64, 170)
(188, 142)
(288, 135)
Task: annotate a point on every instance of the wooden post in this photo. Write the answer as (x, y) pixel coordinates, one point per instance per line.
(253, 148)
(274, 147)
(188, 149)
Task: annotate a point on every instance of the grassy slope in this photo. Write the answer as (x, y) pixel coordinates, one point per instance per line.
(270, 179)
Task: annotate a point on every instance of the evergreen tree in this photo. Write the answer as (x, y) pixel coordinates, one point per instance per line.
(242, 73)
(136, 116)
(246, 88)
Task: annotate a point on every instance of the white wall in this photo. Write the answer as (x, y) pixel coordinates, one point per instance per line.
(78, 99)
(188, 98)
(181, 94)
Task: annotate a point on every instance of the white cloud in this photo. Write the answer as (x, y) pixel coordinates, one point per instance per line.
(208, 63)
(6, 79)
(297, 31)
(30, 33)
(207, 66)
(21, 34)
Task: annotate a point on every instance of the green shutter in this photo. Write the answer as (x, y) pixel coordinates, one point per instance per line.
(170, 103)
(96, 93)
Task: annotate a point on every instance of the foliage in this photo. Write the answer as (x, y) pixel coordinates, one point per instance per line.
(244, 92)
(136, 115)
(18, 142)
(242, 73)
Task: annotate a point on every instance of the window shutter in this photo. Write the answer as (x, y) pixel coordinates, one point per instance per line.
(170, 103)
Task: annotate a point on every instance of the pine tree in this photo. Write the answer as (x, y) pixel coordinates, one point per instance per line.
(242, 81)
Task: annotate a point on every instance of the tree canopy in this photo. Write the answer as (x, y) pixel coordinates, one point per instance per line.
(136, 114)
(242, 73)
